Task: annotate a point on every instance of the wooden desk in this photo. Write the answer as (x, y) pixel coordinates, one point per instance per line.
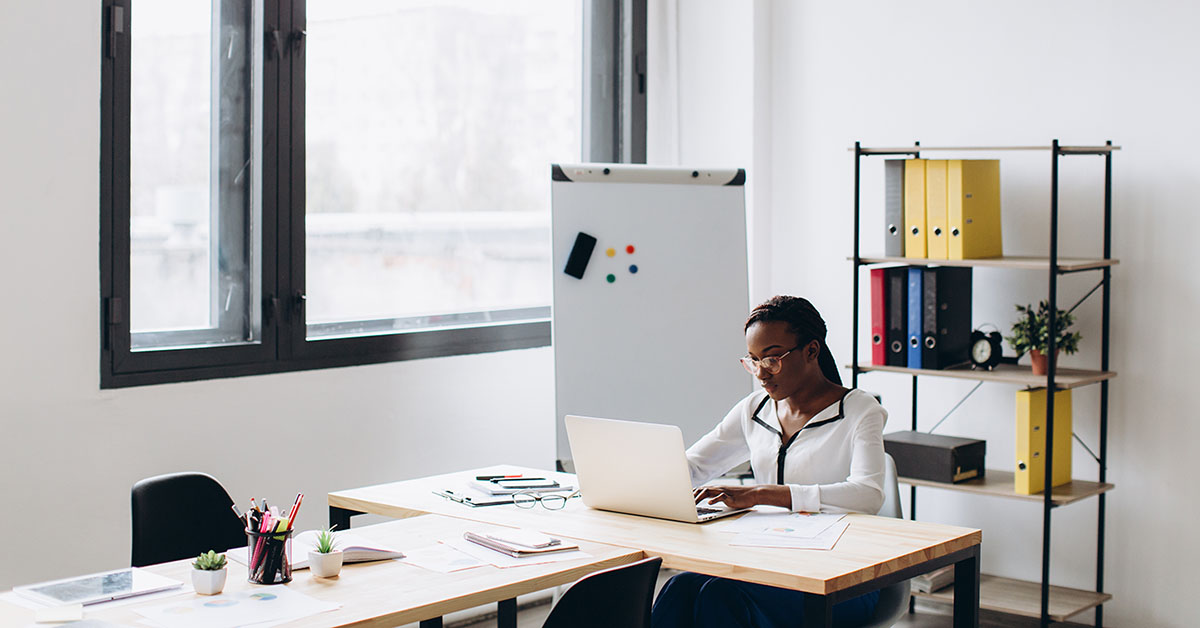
(873, 553)
(387, 593)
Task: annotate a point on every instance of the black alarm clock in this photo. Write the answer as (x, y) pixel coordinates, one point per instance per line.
(985, 349)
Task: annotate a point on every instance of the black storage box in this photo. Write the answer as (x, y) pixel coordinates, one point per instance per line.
(934, 457)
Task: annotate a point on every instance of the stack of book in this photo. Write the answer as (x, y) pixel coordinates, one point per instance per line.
(934, 580)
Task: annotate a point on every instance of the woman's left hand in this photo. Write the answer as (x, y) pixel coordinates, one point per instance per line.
(745, 496)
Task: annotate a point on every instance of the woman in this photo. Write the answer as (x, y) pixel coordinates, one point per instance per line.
(813, 445)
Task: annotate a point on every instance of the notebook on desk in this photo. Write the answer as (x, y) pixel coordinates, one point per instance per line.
(635, 468)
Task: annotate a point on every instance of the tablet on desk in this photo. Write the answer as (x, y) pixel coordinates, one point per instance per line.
(96, 588)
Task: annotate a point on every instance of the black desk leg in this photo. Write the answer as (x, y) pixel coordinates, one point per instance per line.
(340, 517)
(966, 591)
(506, 613)
(818, 611)
(436, 622)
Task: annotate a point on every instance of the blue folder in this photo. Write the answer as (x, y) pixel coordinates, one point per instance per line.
(915, 327)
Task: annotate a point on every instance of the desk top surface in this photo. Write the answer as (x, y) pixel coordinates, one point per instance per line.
(871, 546)
(385, 593)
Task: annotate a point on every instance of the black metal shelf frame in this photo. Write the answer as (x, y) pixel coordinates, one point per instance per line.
(1057, 151)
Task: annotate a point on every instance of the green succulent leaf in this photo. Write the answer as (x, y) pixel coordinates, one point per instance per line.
(209, 561)
(326, 542)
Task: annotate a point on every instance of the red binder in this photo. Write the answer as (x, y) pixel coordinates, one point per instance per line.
(878, 317)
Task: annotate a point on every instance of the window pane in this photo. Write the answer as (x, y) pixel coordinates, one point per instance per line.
(430, 128)
(194, 185)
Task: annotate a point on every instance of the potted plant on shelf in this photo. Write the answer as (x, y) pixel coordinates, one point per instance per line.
(1031, 334)
(325, 561)
(208, 573)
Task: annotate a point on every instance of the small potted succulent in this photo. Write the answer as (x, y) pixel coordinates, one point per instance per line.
(325, 561)
(1031, 334)
(208, 573)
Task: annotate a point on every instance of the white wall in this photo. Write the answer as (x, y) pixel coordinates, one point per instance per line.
(69, 452)
(1018, 73)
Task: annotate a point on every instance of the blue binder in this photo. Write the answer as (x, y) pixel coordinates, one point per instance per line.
(915, 327)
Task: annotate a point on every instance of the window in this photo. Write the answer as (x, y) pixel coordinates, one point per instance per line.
(290, 185)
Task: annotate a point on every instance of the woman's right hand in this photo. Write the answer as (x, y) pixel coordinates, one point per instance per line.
(737, 496)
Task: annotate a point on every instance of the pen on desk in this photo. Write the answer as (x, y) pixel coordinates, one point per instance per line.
(484, 478)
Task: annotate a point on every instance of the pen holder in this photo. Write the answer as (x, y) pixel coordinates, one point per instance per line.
(270, 557)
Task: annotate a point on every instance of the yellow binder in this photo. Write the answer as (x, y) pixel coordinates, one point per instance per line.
(973, 208)
(914, 208)
(1031, 440)
(935, 209)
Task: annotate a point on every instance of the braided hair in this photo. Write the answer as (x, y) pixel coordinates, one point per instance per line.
(804, 321)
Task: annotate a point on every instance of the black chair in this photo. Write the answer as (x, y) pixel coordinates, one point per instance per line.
(621, 596)
(180, 515)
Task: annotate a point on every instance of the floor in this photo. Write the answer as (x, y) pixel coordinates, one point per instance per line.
(534, 609)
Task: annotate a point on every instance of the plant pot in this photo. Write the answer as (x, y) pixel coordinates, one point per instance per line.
(325, 565)
(1041, 361)
(209, 581)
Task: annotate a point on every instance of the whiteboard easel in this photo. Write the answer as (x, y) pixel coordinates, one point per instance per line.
(653, 329)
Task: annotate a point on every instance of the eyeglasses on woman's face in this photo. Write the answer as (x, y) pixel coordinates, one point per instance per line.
(771, 364)
(550, 501)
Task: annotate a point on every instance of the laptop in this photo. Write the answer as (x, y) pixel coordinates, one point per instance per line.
(96, 588)
(636, 468)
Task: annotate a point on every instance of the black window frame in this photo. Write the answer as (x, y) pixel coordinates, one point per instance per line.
(614, 131)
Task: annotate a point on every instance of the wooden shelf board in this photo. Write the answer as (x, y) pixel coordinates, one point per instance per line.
(1021, 262)
(1018, 597)
(1064, 149)
(1007, 373)
(1000, 484)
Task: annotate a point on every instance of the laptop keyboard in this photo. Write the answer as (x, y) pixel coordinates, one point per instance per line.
(703, 510)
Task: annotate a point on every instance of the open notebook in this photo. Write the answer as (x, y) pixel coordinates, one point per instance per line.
(354, 549)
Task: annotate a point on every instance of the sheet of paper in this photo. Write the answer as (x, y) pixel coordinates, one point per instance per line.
(823, 541)
(504, 561)
(23, 602)
(441, 558)
(229, 610)
(783, 523)
(83, 623)
(59, 614)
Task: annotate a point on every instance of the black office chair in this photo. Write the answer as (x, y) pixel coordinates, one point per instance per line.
(180, 515)
(620, 596)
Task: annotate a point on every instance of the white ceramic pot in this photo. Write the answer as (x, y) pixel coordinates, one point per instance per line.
(325, 565)
(209, 582)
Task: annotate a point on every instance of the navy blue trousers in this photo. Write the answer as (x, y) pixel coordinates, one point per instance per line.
(692, 600)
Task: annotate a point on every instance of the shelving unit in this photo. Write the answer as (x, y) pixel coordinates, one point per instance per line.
(1031, 599)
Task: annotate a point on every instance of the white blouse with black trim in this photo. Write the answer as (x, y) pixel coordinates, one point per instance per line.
(833, 464)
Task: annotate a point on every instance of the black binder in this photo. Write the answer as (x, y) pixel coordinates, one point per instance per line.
(897, 316)
(946, 317)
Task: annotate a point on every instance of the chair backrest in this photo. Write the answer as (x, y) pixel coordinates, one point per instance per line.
(180, 515)
(891, 490)
(621, 596)
(893, 600)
